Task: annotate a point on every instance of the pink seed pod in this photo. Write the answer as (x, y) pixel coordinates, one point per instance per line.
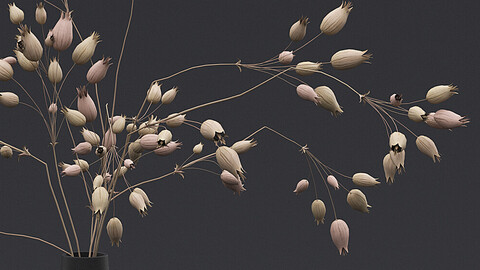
(82, 148)
(62, 32)
(72, 170)
(107, 177)
(396, 100)
(448, 119)
(302, 185)
(52, 109)
(332, 181)
(430, 121)
(228, 178)
(86, 105)
(149, 141)
(285, 57)
(110, 139)
(97, 72)
(10, 59)
(307, 93)
(340, 233)
(129, 163)
(167, 149)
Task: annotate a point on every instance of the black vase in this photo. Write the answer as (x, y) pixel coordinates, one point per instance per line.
(84, 262)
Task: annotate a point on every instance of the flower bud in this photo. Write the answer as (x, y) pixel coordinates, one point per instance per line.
(169, 96)
(110, 139)
(285, 57)
(82, 148)
(62, 32)
(6, 71)
(357, 200)
(74, 117)
(302, 185)
(389, 168)
(83, 164)
(10, 59)
(306, 92)
(131, 127)
(129, 163)
(90, 136)
(72, 170)
(164, 137)
(398, 159)
(299, 29)
(97, 182)
(318, 211)
(55, 74)
(98, 71)
(231, 182)
(243, 146)
(332, 181)
(8, 99)
(24, 63)
(398, 141)
(307, 68)
(86, 105)
(6, 151)
(327, 100)
(197, 149)
(349, 58)
(213, 131)
(144, 196)
(137, 201)
(119, 125)
(340, 233)
(99, 200)
(101, 151)
(396, 100)
(154, 94)
(448, 119)
(364, 180)
(40, 14)
(29, 44)
(428, 147)
(175, 121)
(115, 230)
(167, 149)
(85, 50)
(16, 14)
(416, 114)
(336, 19)
(440, 93)
(228, 160)
(52, 109)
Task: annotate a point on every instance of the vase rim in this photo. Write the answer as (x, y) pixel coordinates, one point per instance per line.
(84, 255)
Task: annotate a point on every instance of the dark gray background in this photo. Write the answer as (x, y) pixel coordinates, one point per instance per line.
(426, 220)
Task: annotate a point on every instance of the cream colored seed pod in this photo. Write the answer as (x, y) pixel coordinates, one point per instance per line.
(243, 146)
(389, 168)
(29, 45)
(137, 201)
(170, 95)
(327, 100)
(416, 114)
(440, 93)
(74, 117)
(55, 74)
(123, 170)
(129, 163)
(99, 200)
(318, 211)
(298, 29)
(428, 147)
(307, 68)
(97, 182)
(85, 50)
(213, 131)
(398, 141)
(336, 19)
(154, 94)
(228, 160)
(6, 151)
(357, 200)
(115, 230)
(364, 180)
(40, 14)
(175, 121)
(91, 137)
(144, 196)
(9, 99)
(349, 58)
(84, 166)
(119, 125)
(164, 137)
(197, 149)
(16, 14)
(131, 127)
(24, 63)
(6, 71)
(398, 158)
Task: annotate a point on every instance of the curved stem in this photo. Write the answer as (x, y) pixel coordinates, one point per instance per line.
(36, 238)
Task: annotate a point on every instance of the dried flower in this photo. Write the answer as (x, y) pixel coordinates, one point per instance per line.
(10, 59)
(164, 137)
(336, 19)
(427, 146)
(396, 100)
(86, 105)
(137, 201)
(302, 185)
(175, 121)
(398, 141)
(85, 50)
(285, 57)
(90, 136)
(154, 94)
(332, 181)
(430, 121)
(228, 160)
(232, 182)
(389, 168)
(318, 211)
(55, 74)
(213, 131)
(129, 163)
(299, 29)
(24, 63)
(6, 71)
(110, 139)
(52, 109)
(364, 180)
(62, 32)
(357, 200)
(72, 170)
(40, 14)
(306, 92)
(416, 114)
(97, 181)
(99, 200)
(82, 148)
(398, 159)
(440, 93)
(115, 230)
(340, 234)
(170, 95)
(327, 100)
(98, 71)
(144, 196)
(6, 151)
(29, 44)
(118, 125)
(8, 99)
(448, 119)
(74, 117)
(307, 68)
(197, 149)
(83, 164)
(349, 58)
(16, 14)
(101, 151)
(167, 149)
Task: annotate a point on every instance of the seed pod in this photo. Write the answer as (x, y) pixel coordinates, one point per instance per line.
(83, 164)
(86, 105)
(416, 114)
(119, 125)
(63, 165)
(213, 131)
(332, 181)
(6, 71)
(336, 19)
(123, 170)
(448, 119)
(133, 155)
(243, 146)
(302, 185)
(129, 164)
(197, 149)
(16, 14)
(357, 200)
(107, 177)
(8, 99)
(164, 137)
(440, 93)
(40, 14)
(110, 139)
(430, 121)
(6, 151)
(115, 230)
(148, 127)
(154, 94)
(398, 158)
(99, 200)
(74, 117)
(231, 182)
(72, 170)
(396, 100)
(131, 127)
(349, 58)
(82, 148)
(285, 57)
(55, 74)
(24, 63)
(136, 146)
(49, 39)
(175, 121)
(62, 32)
(97, 182)
(90, 136)
(52, 109)
(364, 180)
(306, 92)
(428, 147)
(228, 160)
(299, 29)
(340, 233)
(327, 100)
(389, 168)
(167, 149)
(98, 71)
(170, 95)
(307, 68)
(137, 201)
(85, 50)
(149, 141)
(101, 151)
(318, 211)
(144, 196)
(29, 44)
(398, 141)
(10, 59)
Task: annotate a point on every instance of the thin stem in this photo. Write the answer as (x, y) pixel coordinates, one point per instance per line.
(36, 238)
(326, 186)
(313, 178)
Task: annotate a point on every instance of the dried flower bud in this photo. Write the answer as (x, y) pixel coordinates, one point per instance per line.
(336, 19)
(398, 141)
(231, 182)
(98, 71)
(448, 119)
(306, 92)
(24, 63)
(307, 68)
(430, 121)
(62, 32)
(364, 180)
(110, 139)
(154, 94)
(302, 185)
(137, 201)
(197, 149)
(428, 147)
(97, 182)
(327, 100)
(170, 95)
(129, 163)
(349, 58)
(285, 57)
(6, 151)
(83, 164)
(144, 196)
(10, 59)
(40, 14)
(164, 137)
(99, 200)
(149, 141)
(8, 99)
(243, 146)
(340, 233)
(55, 74)
(440, 93)
(213, 131)
(398, 159)
(6, 71)
(115, 230)
(52, 109)
(131, 127)
(318, 211)
(16, 14)
(396, 100)
(86, 105)
(29, 44)
(357, 200)
(389, 168)
(175, 121)
(85, 50)
(228, 160)
(72, 170)
(416, 114)
(119, 125)
(167, 149)
(299, 29)
(49, 39)
(332, 181)
(90, 136)
(74, 117)
(82, 148)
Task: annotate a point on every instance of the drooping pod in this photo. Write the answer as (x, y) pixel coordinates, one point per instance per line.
(228, 160)
(318, 211)
(428, 147)
(364, 180)
(340, 233)
(213, 131)
(349, 58)
(86, 105)
(299, 29)
(115, 231)
(243, 146)
(327, 100)
(302, 185)
(98, 71)
(358, 201)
